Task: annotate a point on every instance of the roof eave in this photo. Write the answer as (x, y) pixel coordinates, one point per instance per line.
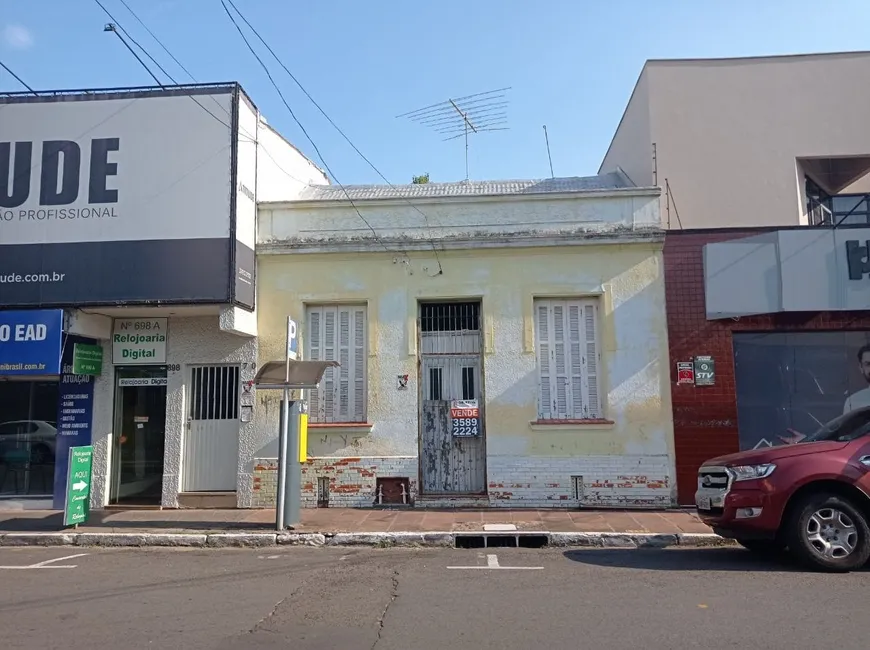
(609, 192)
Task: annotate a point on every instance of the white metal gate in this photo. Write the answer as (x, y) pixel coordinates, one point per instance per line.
(211, 448)
(452, 454)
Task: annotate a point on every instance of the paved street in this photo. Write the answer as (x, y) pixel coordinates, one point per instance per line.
(392, 599)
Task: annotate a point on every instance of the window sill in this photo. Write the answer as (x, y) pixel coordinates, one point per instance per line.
(341, 427)
(598, 424)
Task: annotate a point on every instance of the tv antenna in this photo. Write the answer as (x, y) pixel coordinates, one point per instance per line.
(464, 116)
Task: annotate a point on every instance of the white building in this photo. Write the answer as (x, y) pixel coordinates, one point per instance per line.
(127, 224)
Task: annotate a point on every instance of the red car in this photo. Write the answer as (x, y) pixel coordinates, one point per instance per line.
(811, 498)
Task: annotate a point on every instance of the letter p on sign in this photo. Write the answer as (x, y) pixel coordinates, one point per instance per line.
(292, 339)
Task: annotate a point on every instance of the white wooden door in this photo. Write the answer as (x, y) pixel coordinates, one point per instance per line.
(211, 447)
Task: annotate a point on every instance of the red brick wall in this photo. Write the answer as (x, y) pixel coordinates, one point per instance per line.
(705, 417)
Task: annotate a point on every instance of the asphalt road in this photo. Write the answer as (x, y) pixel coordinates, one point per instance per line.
(396, 599)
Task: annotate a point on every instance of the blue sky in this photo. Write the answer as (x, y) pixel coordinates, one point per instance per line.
(571, 65)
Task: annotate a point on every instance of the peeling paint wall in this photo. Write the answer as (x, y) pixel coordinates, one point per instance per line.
(628, 280)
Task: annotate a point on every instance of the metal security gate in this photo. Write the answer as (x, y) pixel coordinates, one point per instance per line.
(211, 448)
(452, 437)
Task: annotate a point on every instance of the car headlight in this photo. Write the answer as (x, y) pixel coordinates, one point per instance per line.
(751, 472)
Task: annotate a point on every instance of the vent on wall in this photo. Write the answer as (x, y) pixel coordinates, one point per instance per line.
(577, 488)
(323, 492)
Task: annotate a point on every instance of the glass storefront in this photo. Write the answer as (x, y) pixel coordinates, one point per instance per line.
(791, 383)
(28, 434)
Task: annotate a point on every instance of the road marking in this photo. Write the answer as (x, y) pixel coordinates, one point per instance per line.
(48, 564)
(492, 564)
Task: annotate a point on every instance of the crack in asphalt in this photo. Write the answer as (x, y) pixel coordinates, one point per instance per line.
(393, 595)
(258, 627)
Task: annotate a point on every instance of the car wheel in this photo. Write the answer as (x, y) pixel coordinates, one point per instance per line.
(763, 546)
(40, 455)
(827, 532)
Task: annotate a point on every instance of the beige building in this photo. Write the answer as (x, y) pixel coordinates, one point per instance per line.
(776, 141)
(500, 342)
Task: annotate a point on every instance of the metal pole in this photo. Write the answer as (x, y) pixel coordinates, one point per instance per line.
(549, 157)
(283, 435)
(294, 469)
(280, 505)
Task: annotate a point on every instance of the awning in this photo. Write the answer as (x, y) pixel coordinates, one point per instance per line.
(304, 375)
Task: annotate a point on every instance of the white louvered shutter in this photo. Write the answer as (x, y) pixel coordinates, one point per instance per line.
(545, 388)
(337, 333)
(313, 352)
(568, 356)
(592, 407)
(358, 412)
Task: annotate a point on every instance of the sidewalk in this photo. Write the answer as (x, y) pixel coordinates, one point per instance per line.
(349, 520)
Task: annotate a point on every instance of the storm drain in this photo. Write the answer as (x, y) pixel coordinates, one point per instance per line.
(500, 540)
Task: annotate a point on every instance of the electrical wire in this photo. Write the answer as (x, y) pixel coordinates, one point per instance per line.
(302, 128)
(195, 80)
(335, 126)
(162, 69)
(17, 78)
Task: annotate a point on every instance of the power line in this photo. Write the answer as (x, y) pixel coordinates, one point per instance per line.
(17, 78)
(299, 124)
(329, 119)
(111, 27)
(159, 42)
(195, 80)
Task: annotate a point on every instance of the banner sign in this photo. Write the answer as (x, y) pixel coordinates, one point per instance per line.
(126, 197)
(464, 418)
(30, 342)
(75, 415)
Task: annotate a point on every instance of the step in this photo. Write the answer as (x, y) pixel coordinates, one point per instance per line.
(208, 500)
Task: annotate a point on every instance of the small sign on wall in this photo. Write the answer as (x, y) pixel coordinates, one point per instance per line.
(139, 341)
(685, 372)
(464, 418)
(705, 371)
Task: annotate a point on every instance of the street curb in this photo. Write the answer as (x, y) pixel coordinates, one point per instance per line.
(375, 540)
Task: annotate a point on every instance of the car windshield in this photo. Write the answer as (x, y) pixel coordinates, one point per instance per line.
(848, 426)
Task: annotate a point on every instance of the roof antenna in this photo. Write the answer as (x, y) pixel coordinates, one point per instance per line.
(463, 116)
(547, 138)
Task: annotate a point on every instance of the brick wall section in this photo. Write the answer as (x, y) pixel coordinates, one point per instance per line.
(607, 481)
(705, 417)
(352, 481)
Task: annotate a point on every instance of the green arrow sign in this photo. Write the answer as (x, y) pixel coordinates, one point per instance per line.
(78, 486)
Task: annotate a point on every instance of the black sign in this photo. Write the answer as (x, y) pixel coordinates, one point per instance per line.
(858, 259)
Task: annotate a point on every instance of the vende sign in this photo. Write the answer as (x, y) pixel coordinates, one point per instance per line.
(126, 197)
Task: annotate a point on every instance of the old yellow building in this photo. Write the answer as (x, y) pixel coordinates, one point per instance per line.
(500, 343)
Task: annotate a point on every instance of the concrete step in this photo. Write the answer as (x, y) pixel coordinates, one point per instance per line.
(207, 500)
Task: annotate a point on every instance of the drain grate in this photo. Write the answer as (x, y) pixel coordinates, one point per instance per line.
(503, 540)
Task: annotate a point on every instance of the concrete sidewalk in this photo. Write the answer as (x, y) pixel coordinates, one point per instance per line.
(331, 521)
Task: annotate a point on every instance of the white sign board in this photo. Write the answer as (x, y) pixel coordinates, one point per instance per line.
(139, 341)
(292, 339)
(127, 197)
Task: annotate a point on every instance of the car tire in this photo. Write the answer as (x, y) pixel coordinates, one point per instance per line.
(40, 455)
(763, 546)
(827, 532)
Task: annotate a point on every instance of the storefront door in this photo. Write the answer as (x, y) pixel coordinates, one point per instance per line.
(139, 436)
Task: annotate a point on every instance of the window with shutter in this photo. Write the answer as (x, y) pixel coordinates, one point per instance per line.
(338, 333)
(566, 335)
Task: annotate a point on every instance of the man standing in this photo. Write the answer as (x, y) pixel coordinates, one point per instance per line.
(862, 397)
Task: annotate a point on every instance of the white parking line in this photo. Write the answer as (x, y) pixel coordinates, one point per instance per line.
(492, 563)
(47, 564)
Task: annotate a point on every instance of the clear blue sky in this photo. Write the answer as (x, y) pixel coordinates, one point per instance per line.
(571, 65)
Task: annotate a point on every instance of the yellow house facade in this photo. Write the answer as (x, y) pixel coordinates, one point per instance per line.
(500, 344)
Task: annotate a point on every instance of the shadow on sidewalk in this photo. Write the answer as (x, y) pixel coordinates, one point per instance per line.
(53, 523)
(712, 559)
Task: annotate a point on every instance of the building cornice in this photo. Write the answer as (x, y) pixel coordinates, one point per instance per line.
(651, 236)
(649, 192)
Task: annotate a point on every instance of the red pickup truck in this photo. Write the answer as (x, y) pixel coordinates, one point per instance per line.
(811, 498)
